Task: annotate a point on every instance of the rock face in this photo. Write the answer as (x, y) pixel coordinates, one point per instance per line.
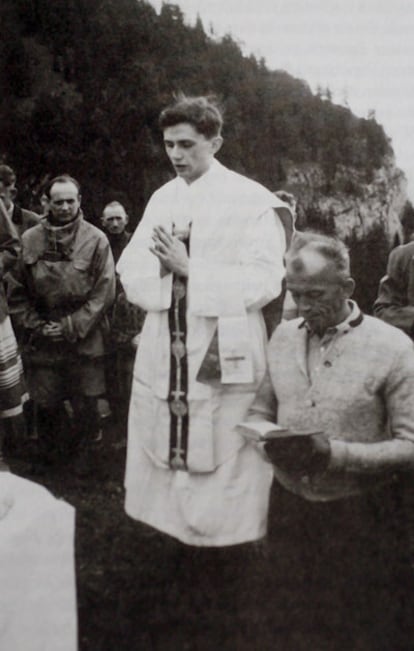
(348, 200)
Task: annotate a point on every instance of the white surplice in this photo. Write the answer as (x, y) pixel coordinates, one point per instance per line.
(236, 267)
(37, 568)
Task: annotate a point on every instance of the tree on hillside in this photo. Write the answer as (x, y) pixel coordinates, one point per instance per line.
(407, 221)
(368, 264)
(85, 80)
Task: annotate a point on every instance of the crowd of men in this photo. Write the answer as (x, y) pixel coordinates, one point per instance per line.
(67, 308)
(211, 251)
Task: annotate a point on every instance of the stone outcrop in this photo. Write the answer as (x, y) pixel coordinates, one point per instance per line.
(348, 200)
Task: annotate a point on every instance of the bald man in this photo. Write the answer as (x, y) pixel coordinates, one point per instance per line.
(341, 383)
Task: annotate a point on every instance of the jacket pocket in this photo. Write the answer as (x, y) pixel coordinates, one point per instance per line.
(81, 264)
(82, 281)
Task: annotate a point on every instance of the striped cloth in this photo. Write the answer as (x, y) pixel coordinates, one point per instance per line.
(13, 393)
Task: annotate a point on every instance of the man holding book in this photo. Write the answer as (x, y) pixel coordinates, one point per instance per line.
(341, 384)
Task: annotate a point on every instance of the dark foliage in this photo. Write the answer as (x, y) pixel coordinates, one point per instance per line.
(368, 264)
(407, 220)
(313, 219)
(84, 80)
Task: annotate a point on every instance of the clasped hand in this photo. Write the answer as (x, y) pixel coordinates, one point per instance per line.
(304, 454)
(53, 330)
(170, 251)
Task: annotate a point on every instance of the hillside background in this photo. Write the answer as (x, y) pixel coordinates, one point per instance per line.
(83, 82)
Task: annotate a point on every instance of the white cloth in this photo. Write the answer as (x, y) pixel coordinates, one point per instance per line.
(237, 244)
(37, 574)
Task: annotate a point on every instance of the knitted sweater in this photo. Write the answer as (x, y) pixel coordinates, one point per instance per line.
(362, 398)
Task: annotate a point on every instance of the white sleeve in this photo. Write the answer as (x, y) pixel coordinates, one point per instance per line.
(225, 289)
(139, 269)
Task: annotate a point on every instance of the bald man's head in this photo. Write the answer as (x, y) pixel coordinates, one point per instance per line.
(114, 218)
(317, 275)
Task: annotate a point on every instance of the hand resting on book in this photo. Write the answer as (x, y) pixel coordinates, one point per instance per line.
(305, 453)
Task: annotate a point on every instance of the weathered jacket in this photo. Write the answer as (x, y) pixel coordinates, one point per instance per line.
(67, 275)
(395, 302)
(24, 219)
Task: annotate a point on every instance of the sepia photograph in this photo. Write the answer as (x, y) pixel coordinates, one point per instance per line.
(207, 325)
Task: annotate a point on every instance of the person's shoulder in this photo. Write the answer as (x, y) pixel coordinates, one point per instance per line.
(165, 189)
(250, 185)
(93, 232)
(161, 199)
(33, 242)
(31, 216)
(33, 232)
(286, 330)
(403, 251)
(24, 219)
(88, 226)
(250, 192)
(384, 336)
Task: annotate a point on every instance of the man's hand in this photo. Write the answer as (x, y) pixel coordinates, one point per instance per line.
(304, 454)
(53, 330)
(170, 251)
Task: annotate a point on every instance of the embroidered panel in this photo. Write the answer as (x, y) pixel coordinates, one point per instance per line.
(177, 398)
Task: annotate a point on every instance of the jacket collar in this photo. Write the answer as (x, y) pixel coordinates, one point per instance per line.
(62, 238)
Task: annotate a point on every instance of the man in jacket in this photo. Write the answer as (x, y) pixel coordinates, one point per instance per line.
(395, 302)
(341, 383)
(59, 297)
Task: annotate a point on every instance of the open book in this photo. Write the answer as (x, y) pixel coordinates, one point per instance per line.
(264, 430)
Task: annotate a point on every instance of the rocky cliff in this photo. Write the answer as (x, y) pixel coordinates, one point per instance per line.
(347, 201)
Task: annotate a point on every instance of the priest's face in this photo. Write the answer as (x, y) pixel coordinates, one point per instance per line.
(189, 151)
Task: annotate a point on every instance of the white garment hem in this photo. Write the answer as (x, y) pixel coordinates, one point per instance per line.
(202, 541)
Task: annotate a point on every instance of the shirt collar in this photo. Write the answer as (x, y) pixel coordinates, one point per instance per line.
(211, 172)
(354, 319)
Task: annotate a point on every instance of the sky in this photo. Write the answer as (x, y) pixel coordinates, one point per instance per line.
(362, 49)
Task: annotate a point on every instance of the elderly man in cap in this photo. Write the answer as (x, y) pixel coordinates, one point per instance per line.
(340, 384)
(59, 297)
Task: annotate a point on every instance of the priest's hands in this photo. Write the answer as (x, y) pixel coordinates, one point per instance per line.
(303, 454)
(170, 251)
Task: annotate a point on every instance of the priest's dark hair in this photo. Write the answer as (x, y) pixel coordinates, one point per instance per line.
(202, 112)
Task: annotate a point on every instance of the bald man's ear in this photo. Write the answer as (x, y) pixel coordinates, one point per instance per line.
(349, 287)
